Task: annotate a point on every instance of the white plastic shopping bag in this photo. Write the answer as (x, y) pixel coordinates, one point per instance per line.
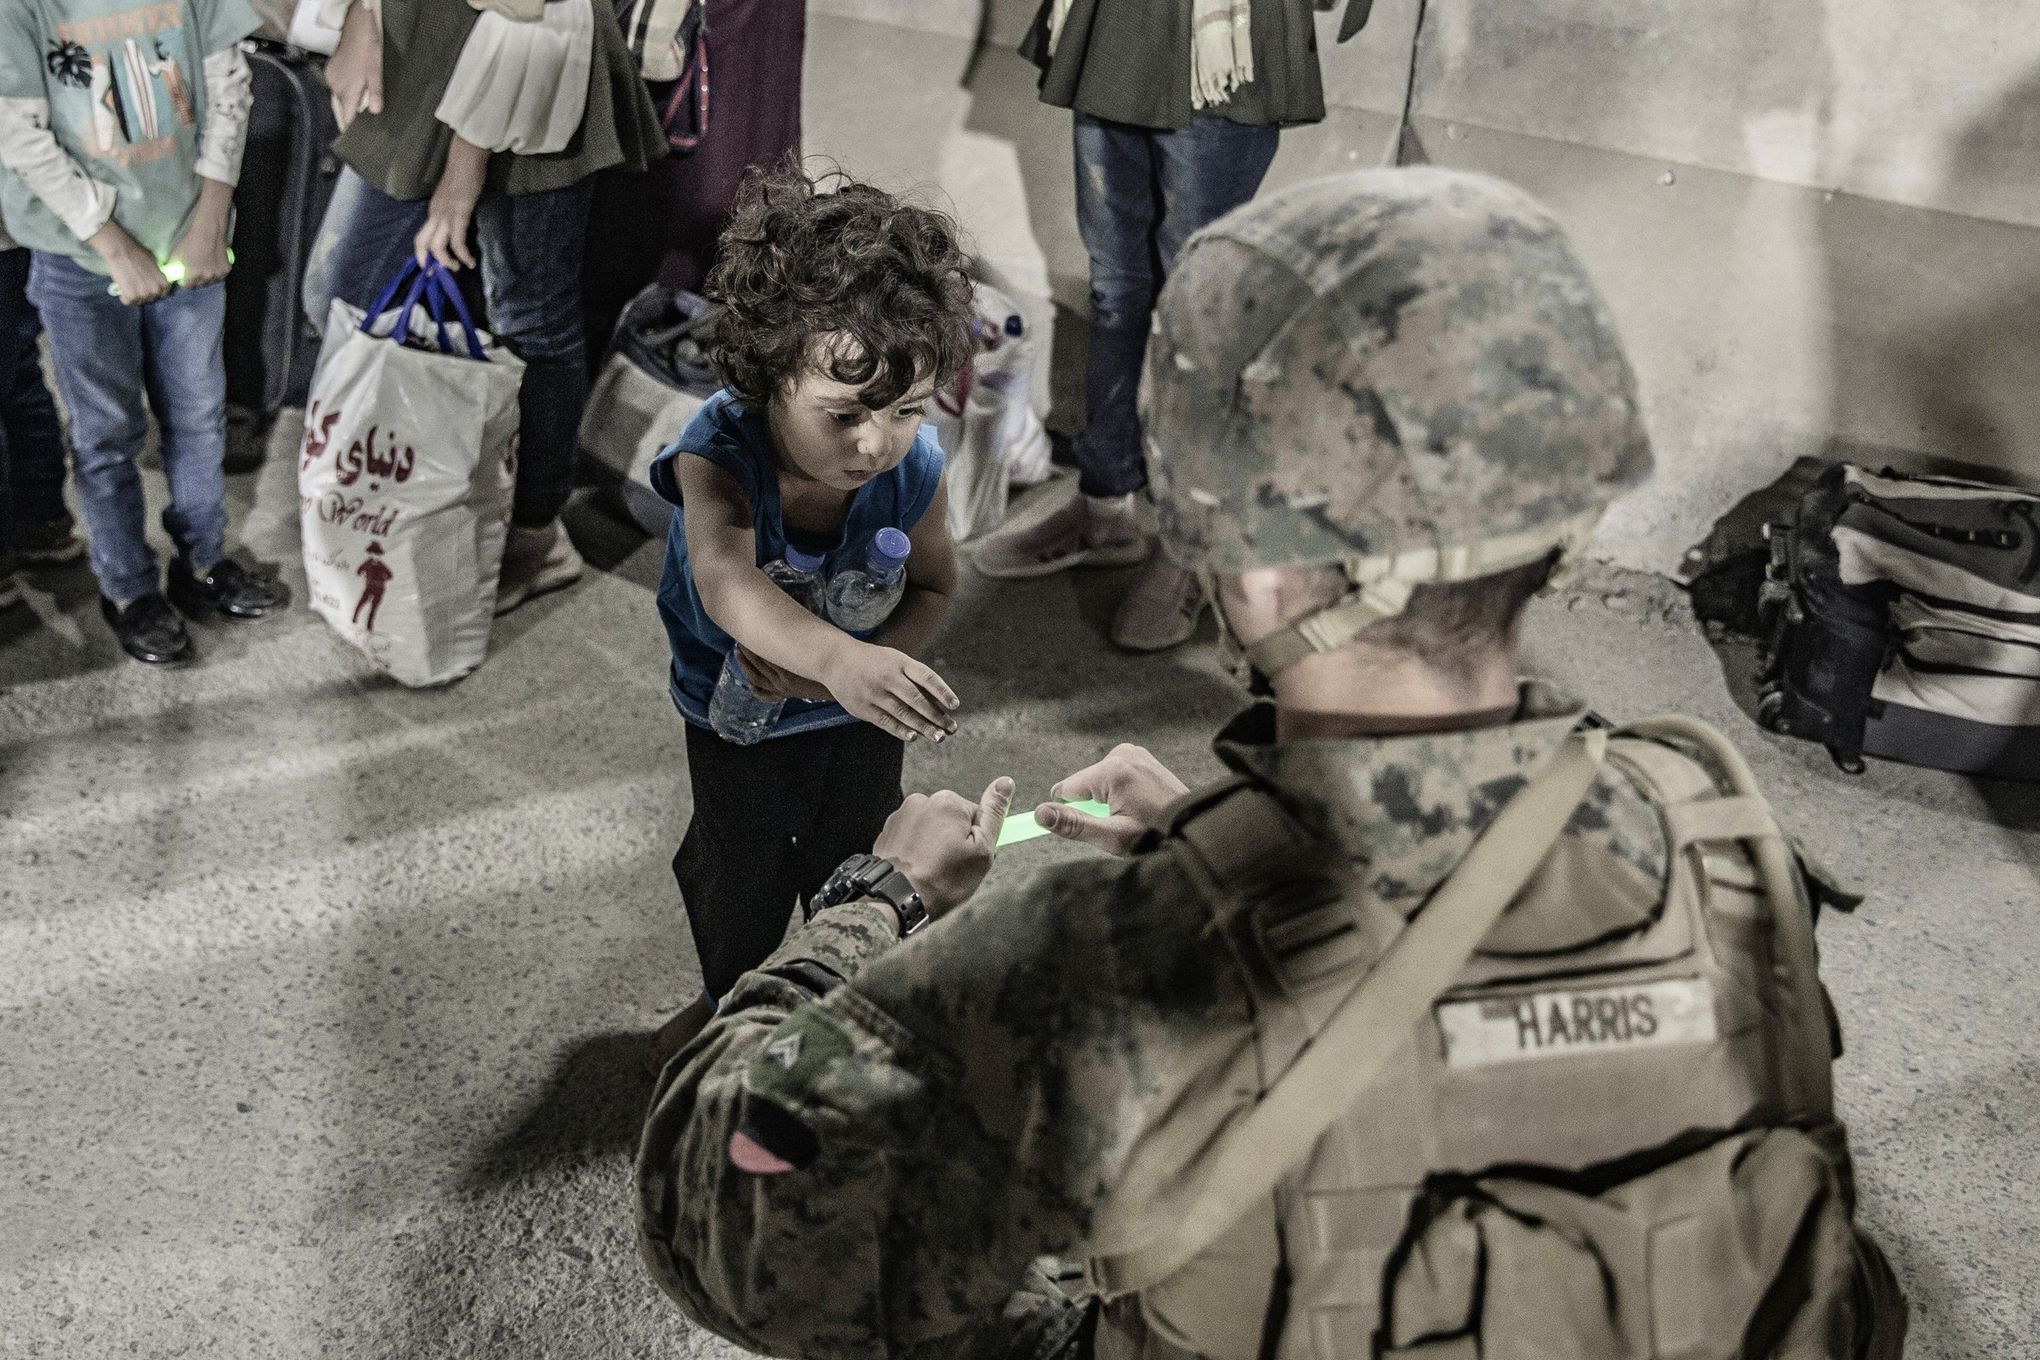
(406, 476)
(986, 422)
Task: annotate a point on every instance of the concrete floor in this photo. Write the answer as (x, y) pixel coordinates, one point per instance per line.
(321, 998)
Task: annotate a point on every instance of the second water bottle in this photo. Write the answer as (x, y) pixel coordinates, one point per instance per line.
(736, 713)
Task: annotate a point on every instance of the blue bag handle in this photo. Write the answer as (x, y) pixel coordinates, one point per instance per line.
(432, 283)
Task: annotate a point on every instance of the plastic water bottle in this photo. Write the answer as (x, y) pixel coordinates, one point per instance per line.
(736, 714)
(864, 597)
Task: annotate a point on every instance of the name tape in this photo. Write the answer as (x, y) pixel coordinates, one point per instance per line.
(1563, 1022)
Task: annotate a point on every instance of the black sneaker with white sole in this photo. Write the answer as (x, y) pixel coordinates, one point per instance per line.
(229, 590)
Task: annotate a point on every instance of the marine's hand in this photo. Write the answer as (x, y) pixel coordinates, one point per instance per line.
(133, 269)
(944, 843)
(772, 683)
(1130, 781)
(891, 690)
(354, 71)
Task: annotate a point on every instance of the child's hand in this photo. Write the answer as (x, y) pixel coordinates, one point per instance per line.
(892, 691)
(134, 270)
(203, 249)
(773, 683)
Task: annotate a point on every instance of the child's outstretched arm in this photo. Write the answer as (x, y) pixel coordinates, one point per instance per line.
(879, 684)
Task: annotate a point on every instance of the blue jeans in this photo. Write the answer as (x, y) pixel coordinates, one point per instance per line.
(113, 362)
(1141, 192)
(532, 247)
(31, 441)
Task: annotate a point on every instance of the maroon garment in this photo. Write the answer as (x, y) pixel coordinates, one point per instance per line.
(663, 223)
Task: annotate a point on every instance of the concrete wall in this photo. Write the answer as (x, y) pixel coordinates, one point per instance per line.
(1815, 219)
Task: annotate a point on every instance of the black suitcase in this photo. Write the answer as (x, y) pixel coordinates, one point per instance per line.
(287, 176)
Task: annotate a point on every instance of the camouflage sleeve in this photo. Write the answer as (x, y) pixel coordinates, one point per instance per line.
(965, 1103)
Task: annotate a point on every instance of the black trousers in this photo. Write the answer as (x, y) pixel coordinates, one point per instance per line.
(771, 823)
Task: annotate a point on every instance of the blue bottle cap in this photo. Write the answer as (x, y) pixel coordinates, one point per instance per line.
(802, 561)
(890, 548)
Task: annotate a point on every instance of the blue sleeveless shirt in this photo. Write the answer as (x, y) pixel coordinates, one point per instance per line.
(737, 440)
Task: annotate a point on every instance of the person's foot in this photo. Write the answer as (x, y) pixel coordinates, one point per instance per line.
(1088, 531)
(677, 1033)
(149, 629)
(1160, 611)
(46, 543)
(534, 562)
(227, 589)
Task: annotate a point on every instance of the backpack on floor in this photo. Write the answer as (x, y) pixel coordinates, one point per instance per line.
(1902, 619)
(654, 380)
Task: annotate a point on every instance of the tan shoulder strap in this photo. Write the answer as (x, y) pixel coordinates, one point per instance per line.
(1266, 1142)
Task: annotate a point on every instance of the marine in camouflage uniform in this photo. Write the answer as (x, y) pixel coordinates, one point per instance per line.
(1406, 375)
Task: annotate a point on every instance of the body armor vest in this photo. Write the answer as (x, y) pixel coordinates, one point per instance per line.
(1612, 1138)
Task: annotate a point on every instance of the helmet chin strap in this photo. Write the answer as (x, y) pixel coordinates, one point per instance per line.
(1380, 589)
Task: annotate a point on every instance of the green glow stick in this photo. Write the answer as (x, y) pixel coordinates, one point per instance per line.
(173, 274)
(1021, 826)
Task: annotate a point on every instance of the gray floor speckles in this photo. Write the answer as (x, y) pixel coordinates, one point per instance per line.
(320, 997)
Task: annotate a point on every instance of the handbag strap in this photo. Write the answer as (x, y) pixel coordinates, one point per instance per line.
(1266, 1142)
(693, 81)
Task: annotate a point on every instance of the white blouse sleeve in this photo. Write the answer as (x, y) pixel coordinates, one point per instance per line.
(523, 87)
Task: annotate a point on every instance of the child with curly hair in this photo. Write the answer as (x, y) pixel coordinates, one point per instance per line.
(843, 312)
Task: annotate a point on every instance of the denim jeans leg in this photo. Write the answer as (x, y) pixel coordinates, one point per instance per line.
(1207, 170)
(182, 337)
(1116, 205)
(28, 416)
(99, 363)
(532, 249)
(363, 242)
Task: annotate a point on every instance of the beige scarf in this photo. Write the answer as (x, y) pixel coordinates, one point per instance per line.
(1221, 46)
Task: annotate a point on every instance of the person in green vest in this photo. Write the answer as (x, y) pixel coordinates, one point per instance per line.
(488, 118)
(1178, 106)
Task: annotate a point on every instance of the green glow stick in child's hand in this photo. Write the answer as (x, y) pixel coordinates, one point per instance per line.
(173, 274)
(1021, 826)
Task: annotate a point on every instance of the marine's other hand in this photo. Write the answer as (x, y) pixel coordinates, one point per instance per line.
(1130, 781)
(943, 843)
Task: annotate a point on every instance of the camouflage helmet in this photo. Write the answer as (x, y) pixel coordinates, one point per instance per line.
(1405, 372)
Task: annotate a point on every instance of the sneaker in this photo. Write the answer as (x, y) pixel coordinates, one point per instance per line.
(534, 562)
(678, 1032)
(10, 591)
(149, 629)
(228, 589)
(1088, 531)
(49, 543)
(1161, 609)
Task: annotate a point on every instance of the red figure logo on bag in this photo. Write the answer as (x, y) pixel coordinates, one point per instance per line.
(390, 463)
(375, 574)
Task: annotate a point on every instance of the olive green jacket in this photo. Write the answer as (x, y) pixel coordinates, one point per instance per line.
(402, 150)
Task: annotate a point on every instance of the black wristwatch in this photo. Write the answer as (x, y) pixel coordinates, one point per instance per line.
(868, 876)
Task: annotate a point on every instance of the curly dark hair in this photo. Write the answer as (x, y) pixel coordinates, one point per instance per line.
(796, 263)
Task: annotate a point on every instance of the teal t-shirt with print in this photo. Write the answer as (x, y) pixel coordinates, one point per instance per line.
(125, 81)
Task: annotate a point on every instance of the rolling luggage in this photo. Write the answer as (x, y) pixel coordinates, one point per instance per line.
(287, 176)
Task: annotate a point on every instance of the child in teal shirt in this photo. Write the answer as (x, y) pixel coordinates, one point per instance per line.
(121, 131)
